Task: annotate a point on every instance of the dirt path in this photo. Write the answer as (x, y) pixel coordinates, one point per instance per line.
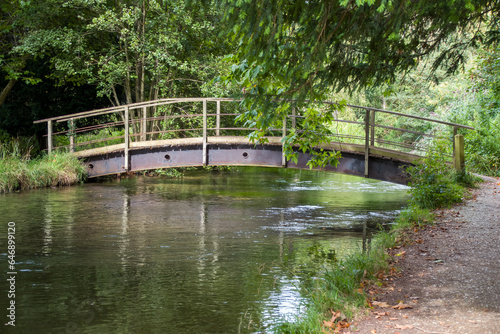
(450, 275)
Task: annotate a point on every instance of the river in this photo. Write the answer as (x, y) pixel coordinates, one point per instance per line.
(204, 253)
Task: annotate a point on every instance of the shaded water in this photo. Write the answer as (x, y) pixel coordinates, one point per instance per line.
(206, 253)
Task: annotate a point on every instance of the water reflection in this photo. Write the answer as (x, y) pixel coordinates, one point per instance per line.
(207, 253)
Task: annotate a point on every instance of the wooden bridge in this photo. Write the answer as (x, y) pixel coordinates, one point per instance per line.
(186, 132)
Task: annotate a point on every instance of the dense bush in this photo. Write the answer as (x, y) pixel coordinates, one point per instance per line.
(435, 183)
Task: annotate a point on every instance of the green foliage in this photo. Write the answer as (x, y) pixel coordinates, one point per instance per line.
(22, 148)
(170, 172)
(433, 181)
(431, 191)
(20, 172)
(131, 50)
(307, 47)
(292, 52)
(414, 216)
(472, 99)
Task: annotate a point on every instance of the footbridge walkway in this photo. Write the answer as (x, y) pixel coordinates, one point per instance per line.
(185, 132)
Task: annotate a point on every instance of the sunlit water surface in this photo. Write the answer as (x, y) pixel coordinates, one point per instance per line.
(206, 253)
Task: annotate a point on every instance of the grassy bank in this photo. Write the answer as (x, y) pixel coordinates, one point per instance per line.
(340, 291)
(19, 171)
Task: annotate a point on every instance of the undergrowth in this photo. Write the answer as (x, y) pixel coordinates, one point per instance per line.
(18, 170)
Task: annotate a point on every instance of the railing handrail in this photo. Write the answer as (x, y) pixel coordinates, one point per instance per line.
(152, 103)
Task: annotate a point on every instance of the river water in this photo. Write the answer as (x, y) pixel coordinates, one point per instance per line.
(205, 253)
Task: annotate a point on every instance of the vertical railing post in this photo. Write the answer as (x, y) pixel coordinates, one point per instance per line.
(71, 133)
(143, 124)
(459, 152)
(217, 120)
(367, 140)
(372, 126)
(49, 137)
(204, 132)
(455, 131)
(127, 139)
(294, 121)
(283, 156)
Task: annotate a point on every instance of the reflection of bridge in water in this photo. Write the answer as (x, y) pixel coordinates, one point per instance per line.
(189, 132)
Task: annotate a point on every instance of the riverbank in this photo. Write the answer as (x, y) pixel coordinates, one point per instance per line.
(58, 169)
(447, 277)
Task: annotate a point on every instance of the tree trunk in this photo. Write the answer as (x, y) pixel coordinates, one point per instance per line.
(7, 90)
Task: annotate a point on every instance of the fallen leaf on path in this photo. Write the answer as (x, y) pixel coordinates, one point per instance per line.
(402, 306)
(403, 326)
(344, 324)
(381, 313)
(380, 304)
(373, 331)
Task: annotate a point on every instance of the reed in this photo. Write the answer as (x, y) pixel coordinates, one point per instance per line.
(19, 171)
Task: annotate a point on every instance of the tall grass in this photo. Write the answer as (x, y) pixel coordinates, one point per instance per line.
(339, 289)
(19, 171)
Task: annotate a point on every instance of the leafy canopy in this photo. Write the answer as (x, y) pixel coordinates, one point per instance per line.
(292, 51)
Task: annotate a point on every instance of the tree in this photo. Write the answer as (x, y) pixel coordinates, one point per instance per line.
(12, 66)
(133, 50)
(291, 51)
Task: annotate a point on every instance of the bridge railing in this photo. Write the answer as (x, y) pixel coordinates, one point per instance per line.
(357, 128)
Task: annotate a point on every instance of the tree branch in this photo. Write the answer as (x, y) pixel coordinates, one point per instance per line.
(7, 90)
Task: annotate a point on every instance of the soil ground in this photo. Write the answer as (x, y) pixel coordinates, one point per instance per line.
(449, 274)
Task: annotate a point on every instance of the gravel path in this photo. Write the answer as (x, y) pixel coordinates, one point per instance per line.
(450, 275)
